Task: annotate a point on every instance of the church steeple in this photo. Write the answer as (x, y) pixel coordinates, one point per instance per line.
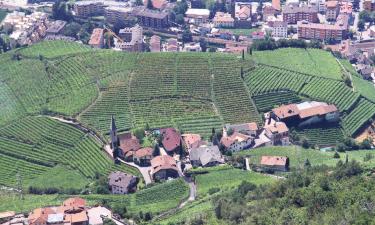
(113, 134)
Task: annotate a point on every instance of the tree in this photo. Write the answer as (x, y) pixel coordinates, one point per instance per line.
(187, 35)
(60, 12)
(336, 155)
(203, 44)
(305, 143)
(180, 19)
(230, 131)
(307, 164)
(72, 29)
(149, 4)
(361, 25)
(139, 133)
(138, 2)
(107, 221)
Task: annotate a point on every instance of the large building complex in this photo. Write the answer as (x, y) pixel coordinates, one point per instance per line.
(132, 39)
(337, 31)
(26, 29)
(292, 14)
(152, 18)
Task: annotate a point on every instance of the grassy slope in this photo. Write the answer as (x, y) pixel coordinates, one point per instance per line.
(61, 178)
(310, 61)
(298, 155)
(365, 88)
(226, 178)
(154, 199)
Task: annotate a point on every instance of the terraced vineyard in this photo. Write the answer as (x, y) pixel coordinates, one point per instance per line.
(322, 136)
(331, 91)
(270, 79)
(113, 101)
(360, 115)
(37, 144)
(231, 96)
(267, 101)
(191, 91)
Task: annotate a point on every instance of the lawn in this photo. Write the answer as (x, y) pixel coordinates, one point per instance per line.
(298, 155)
(61, 178)
(226, 178)
(364, 87)
(311, 61)
(246, 32)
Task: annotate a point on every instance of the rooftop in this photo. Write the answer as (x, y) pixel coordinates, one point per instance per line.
(198, 12)
(96, 36)
(274, 161)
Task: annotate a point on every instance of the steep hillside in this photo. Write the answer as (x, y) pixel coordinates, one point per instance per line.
(194, 92)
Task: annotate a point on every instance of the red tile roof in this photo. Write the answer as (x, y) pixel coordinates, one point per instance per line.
(191, 139)
(319, 110)
(163, 162)
(171, 139)
(76, 202)
(157, 4)
(286, 111)
(39, 216)
(277, 128)
(235, 137)
(143, 152)
(274, 161)
(130, 145)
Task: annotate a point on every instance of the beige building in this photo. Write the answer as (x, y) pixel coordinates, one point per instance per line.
(223, 20)
(332, 10)
(134, 43)
(198, 16)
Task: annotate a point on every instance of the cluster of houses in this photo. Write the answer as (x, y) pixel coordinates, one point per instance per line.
(25, 29)
(175, 153)
(73, 211)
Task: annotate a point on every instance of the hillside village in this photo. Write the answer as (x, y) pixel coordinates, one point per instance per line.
(187, 112)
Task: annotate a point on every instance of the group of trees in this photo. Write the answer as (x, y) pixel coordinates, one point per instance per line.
(365, 17)
(60, 11)
(351, 144)
(310, 196)
(271, 44)
(179, 11)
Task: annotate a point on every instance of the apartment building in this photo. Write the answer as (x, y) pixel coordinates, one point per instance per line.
(332, 10)
(337, 31)
(152, 18)
(88, 8)
(292, 14)
(115, 14)
(132, 39)
(278, 29)
(223, 20)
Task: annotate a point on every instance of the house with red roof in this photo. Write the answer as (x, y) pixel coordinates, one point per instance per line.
(306, 113)
(163, 167)
(171, 140)
(128, 145)
(192, 141)
(274, 163)
(143, 156)
(278, 133)
(236, 142)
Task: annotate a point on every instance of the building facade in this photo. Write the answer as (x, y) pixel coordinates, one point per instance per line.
(292, 14)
